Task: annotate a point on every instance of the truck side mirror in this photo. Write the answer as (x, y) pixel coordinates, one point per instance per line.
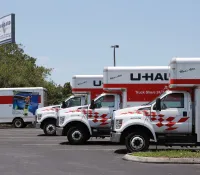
(158, 104)
(92, 105)
(63, 105)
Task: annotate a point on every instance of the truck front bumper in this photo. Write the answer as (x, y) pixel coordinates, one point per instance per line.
(37, 125)
(59, 131)
(115, 137)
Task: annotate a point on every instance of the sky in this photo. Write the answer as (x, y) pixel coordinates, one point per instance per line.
(75, 37)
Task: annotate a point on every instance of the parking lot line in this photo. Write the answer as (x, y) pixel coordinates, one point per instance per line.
(40, 144)
(86, 149)
(25, 137)
(22, 140)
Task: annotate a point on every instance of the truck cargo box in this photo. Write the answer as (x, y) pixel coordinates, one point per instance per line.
(139, 83)
(91, 84)
(184, 72)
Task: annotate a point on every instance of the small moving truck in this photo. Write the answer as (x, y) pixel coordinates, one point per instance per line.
(84, 89)
(18, 105)
(171, 119)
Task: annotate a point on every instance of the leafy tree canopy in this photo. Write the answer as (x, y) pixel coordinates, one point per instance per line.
(20, 70)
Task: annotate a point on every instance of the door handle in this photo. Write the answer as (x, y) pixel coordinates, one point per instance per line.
(184, 113)
(114, 110)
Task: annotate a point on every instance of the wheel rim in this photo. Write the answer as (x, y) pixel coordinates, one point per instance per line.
(18, 123)
(50, 129)
(137, 143)
(76, 135)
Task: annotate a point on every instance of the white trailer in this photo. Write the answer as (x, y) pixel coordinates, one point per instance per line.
(84, 89)
(124, 87)
(18, 105)
(172, 119)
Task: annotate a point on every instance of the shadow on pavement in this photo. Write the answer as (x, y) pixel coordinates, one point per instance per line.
(46, 135)
(121, 151)
(41, 135)
(102, 143)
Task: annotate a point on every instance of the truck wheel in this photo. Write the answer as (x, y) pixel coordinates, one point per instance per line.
(18, 123)
(136, 142)
(88, 137)
(76, 136)
(50, 128)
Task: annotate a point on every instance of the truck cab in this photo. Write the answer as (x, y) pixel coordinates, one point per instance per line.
(46, 116)
(171, 119)
(84, 88)
(93, 120)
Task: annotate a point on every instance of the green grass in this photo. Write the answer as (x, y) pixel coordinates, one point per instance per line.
(169, 153)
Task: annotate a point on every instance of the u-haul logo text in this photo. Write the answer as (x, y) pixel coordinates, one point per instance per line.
(149, 76)
(97, 83)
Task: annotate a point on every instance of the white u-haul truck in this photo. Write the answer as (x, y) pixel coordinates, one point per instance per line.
(84, 88)
(124, 86)
(172, 119)
(18, 105)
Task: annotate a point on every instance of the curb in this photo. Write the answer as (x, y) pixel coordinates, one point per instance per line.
(161, 160)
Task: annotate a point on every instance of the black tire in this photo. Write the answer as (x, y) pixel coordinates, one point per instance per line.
(18, 123)
(50, 128)
(77, 136)
(136, 142)
(88, 137)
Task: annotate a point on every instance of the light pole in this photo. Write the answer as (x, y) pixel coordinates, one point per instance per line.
(114, 46)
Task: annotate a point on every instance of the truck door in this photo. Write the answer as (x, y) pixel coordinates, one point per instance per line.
(101, 115)
(173, 117)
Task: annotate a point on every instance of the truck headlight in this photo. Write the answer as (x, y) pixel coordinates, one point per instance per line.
(39, 116)
(118, 123)
(61, 119)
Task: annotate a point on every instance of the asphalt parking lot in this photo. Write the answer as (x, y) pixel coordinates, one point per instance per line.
(29, 152)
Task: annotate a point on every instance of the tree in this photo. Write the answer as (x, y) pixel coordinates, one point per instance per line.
(18, 69)
(57, 93)
(67, 89)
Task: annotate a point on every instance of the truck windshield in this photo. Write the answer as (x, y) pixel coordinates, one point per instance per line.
(65, 100)
(76, 101)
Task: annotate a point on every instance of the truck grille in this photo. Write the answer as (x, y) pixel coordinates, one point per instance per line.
(57, 121)
(112, 124)
(35, 118)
